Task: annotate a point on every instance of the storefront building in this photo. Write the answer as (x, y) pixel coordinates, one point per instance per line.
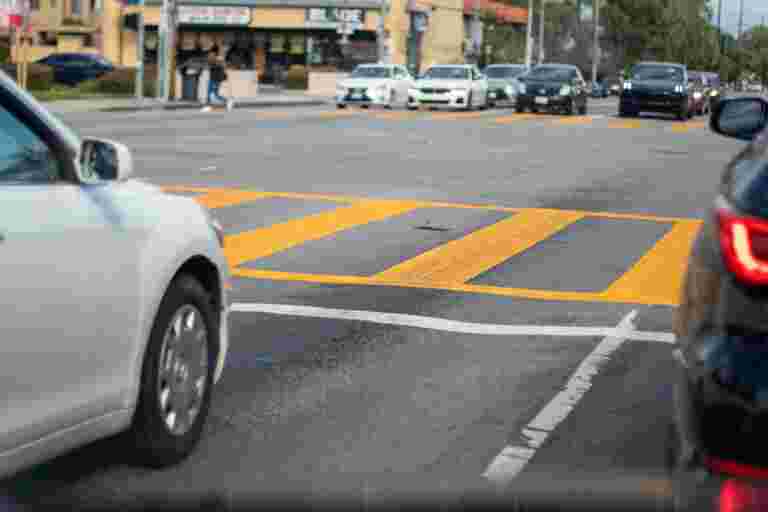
(266, 36)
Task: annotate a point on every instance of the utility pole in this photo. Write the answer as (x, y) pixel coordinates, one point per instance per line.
(380, 31)
(528, 36)
(596, 40)
(166, 46)
(720, 26)
(541, 33)
(741, 20)
(140, 53)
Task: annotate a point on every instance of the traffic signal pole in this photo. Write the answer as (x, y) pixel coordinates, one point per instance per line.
(140, 53)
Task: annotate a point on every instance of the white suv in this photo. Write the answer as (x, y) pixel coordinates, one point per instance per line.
(113, 311)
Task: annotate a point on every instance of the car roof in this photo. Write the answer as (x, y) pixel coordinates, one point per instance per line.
(451, 66)
(505, 66)
(556, 65)
(654, 63)
(372, 65)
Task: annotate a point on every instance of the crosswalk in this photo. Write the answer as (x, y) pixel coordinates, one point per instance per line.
(499, 117)
(652, 277)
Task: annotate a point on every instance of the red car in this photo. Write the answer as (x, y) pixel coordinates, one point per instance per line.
(697, 81)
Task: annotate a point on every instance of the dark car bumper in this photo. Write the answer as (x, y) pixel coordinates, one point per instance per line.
(528, 101)
(653, 103)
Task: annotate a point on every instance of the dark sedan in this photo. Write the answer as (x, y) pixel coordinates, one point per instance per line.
(657, 87)
(716, 451)
(553, 88)
(74, 68)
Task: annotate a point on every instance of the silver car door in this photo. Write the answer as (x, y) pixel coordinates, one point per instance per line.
(70, 293)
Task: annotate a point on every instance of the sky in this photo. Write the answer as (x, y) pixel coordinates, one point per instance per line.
(754, 10)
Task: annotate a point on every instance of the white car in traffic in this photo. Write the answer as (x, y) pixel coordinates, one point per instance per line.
(450, 86)
(385, 85)
(113, 312)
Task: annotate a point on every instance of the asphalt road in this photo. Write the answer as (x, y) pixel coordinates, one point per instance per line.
(575, 222)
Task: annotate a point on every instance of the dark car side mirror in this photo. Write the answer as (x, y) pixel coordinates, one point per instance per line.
(740, 118)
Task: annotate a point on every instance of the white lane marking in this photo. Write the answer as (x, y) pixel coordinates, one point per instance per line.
(209, 168)
(512, 459)
(442, 324)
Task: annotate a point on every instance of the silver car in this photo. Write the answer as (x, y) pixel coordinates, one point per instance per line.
(503, 84)
(113, 312)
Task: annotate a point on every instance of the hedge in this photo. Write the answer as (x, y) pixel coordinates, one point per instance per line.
(121, 81)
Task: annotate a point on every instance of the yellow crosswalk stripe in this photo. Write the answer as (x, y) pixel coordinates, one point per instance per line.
(516, 117)
(452, 116)
(656, 277)
(625, 124)
(463, 259)
(575, 120)
(690, 125)
(259, 243)
(221, 198)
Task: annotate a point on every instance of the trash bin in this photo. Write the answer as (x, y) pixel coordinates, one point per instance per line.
(190, 80)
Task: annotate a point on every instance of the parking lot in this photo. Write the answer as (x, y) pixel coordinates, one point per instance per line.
(425, 303)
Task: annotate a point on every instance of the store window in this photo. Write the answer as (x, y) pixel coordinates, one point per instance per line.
(77, 8)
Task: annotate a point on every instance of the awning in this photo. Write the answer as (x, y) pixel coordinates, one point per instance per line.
(503, 13)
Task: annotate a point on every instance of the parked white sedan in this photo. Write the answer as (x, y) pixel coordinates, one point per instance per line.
(452, 86)
(113, 312)
(375, 84)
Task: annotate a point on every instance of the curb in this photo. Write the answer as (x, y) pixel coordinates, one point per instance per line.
(251, 105)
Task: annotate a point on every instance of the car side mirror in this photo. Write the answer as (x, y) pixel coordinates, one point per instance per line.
(105, 160)
(740, 118)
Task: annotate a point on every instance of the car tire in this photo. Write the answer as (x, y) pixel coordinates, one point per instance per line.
(411, 107)
(519, 109)
(469, 107)
(583, 109)
(570, 110)
(340, 106)
(364, 106)
(150, 439)
(683, 114)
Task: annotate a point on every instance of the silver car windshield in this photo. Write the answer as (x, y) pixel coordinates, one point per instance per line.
(372, 72)
(447, 73)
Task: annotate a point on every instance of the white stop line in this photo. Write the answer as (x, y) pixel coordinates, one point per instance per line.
(512, 459)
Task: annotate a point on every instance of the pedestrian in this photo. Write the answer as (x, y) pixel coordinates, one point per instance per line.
(217, 75)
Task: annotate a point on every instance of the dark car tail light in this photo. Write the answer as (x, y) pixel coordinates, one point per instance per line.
(744, 241)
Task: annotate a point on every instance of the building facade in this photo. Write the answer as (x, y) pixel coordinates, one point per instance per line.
(267, 36)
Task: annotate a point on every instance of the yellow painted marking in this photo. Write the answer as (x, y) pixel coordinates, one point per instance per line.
(657, 276)
(453, 116)
(221, 198)
(339, 113)
(515, 118)
(394, 116)
(460, 260)
(258, 243)
(574, 120)
(521, 293)
(690, 125)
(625, 124)
(429, 204)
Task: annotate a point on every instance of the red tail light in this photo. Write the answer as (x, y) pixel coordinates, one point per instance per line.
(730, 468)
(736, 496)
(744, 241)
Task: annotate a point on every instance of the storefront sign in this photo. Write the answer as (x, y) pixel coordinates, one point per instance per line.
(206, 15)
(322, 17)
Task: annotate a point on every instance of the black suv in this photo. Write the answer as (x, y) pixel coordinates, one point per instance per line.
(657, 87)
(717, 450)
(554, 88)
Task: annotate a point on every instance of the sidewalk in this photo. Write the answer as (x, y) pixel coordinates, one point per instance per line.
(266, 100)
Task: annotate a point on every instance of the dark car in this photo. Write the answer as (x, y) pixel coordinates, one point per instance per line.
(717, 449)
(656, 87)
(553, 88)
(74, 68)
